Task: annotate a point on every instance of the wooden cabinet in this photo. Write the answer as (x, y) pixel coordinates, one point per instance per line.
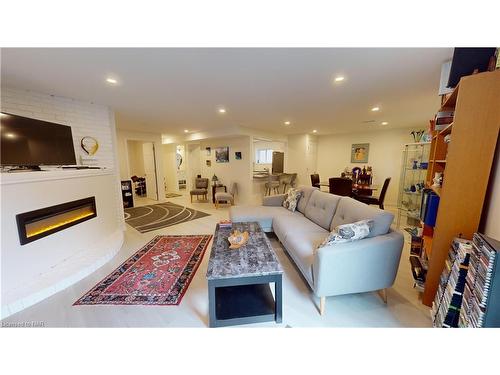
(466, 164)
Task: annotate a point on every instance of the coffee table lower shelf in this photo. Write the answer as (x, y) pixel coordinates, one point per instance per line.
(244, 303)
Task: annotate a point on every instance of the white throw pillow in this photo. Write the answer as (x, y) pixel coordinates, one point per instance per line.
(291, 199)
(348, 233)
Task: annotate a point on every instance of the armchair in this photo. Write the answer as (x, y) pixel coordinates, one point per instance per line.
(201, 188)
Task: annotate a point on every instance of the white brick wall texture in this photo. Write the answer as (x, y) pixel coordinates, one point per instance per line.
(85, 119)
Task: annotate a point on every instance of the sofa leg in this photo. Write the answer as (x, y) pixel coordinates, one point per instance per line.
(322, 301)
(383, 294)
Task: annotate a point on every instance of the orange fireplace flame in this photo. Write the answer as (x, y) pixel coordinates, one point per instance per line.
(45, 225)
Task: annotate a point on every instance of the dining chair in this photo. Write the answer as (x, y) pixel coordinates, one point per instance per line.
(287, 180)
(315, 180)
(272, 184)
(340, 186)
(374, 200)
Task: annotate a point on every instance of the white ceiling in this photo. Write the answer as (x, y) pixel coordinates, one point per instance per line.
(167, 90)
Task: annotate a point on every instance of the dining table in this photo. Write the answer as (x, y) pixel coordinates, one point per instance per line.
(361, 189)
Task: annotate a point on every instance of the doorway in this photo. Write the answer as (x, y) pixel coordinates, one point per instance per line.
(194, 163)
(142, 164)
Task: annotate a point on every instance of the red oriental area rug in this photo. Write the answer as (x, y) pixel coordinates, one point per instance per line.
(157, 274)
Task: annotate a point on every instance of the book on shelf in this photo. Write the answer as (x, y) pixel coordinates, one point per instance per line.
(481, 301)
(447, 304)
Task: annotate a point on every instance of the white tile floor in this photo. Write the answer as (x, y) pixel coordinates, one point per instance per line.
(403, 309)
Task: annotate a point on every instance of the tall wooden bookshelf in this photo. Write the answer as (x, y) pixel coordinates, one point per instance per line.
(466, 164)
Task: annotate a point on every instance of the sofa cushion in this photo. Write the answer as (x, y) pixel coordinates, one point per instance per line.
(301, 247)
(262, 214)
(198, 191)
(292, 199)
(350, 211)
(285, 224)
(321, 207)
(348, 233)
(306, 195)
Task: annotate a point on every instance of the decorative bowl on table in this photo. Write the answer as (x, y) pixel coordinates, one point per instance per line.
(237, 239)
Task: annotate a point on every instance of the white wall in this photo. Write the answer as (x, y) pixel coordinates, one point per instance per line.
(136, 158)
(125, 135)
(170, 167)
(54, 262)
(385, 155)
(492, 210)
(193, 163)
(301, 157)
(38, 269)
(239, 171)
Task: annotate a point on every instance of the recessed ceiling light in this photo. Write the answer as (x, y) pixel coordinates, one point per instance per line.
(384, 123)
(113, 81)
(339, 78)
(315, 131)
(222, 110)
(375, 109)
(287, 122)
(186, 131)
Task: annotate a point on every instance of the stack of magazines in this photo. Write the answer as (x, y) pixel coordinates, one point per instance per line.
(447, 303)
(225, 224)
(479, 308)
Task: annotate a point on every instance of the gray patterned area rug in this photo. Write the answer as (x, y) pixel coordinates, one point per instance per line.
(156, 216)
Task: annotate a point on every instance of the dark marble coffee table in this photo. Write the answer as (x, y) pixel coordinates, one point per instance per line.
(239, 279)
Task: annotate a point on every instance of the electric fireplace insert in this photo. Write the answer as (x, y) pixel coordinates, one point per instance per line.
(37, 224)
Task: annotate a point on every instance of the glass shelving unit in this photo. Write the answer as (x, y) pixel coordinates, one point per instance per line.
(415, 161)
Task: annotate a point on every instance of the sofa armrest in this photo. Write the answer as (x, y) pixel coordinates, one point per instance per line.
(274, 200)
(359, 266)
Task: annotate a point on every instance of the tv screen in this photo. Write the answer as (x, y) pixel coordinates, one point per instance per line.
(466, 60)
(29, 142)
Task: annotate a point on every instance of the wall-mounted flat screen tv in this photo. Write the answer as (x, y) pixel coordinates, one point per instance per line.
(29, 142)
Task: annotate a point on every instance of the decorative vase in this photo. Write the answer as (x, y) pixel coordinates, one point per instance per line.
(238, 239)
(437, 179)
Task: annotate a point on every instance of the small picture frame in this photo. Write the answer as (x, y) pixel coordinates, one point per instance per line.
(209, 163)
(237, 155)
(208, 151)
(359, 152)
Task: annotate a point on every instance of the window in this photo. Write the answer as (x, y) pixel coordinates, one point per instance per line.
(264, 156)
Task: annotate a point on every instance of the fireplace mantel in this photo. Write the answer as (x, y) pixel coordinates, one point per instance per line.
(8, 178)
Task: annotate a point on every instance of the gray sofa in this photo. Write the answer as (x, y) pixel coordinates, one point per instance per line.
(361, 266)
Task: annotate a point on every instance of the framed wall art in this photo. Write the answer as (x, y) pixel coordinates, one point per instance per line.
(359, 152)
(222, 154)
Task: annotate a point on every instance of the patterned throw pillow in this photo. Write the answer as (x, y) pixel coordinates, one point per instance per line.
(348, 233)
(291, 199)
